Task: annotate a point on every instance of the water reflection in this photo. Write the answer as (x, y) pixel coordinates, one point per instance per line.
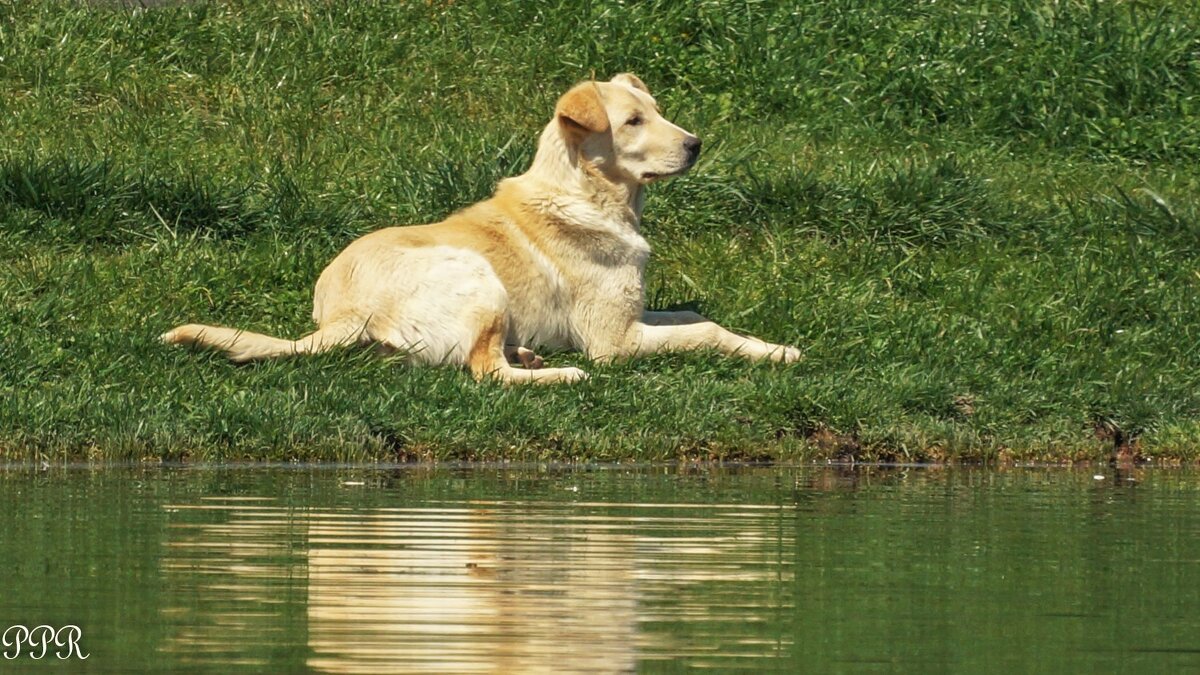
(362, 569)
(482, 586)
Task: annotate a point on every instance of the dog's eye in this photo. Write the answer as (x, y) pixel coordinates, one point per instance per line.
(634, 121)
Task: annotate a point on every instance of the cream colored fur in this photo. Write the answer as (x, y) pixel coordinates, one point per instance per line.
(555, 258)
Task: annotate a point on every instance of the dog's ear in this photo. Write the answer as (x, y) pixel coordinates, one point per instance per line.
(631, 80)
(581, 112)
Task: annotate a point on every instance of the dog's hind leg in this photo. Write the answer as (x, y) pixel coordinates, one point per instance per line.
(488, 359)
(523, 356)
(440, 305)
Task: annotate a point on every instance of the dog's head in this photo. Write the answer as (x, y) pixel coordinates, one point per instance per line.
(618, 127)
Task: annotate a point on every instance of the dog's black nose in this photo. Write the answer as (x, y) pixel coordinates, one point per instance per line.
(692, 145)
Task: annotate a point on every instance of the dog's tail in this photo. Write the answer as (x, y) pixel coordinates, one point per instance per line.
(242, 345)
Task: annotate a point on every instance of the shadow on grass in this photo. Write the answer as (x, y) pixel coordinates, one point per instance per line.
(98, 202)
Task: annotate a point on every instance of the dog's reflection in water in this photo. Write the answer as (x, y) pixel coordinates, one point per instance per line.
(469, 591)
(402, 591)
(474, 587)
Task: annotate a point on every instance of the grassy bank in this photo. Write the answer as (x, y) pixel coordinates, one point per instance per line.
(980, 224)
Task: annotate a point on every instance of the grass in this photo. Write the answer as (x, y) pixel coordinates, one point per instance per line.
(978, 222)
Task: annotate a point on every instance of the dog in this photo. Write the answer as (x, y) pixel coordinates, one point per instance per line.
(554, 259)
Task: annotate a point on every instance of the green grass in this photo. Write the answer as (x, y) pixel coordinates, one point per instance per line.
(979, 222)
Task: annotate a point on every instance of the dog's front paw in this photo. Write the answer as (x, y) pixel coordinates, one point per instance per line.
(552, 375)
(782, 354)
(571, 374)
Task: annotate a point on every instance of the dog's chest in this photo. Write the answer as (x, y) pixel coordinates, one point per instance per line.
(594, 274)
(537, 304)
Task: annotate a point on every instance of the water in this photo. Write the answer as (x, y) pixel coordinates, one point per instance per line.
(356, 570)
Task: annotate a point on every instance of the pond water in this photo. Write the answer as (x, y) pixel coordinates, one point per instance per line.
(369, 570)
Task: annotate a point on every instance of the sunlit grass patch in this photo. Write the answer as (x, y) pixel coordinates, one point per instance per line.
(979, 224)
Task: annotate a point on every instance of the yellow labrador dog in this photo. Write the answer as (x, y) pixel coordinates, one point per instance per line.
(555, 258)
